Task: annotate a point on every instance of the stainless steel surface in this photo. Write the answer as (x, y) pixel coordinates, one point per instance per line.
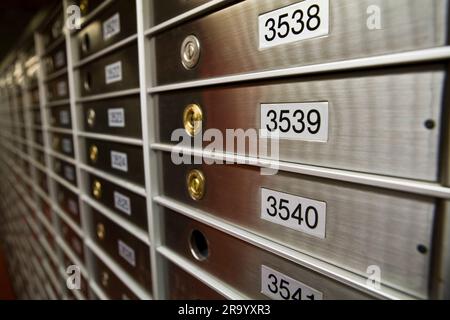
(135, 164)
(183, 286)
(138, 211)
(238, 263)
(229, 37)
(377, 120)
(113, 235)
(100, 124)
(92, 38)
(92, 75)
(364, 225)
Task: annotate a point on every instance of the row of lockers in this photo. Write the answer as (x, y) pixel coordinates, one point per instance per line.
(351, 98)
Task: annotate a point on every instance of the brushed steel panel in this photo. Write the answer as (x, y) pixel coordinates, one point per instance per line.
(72, 240)
(138, 208)
(113, 233)
(229, 37)
(239, 263)
(57, 89)
(68, 201)
(132, 114)
(134, 154)
(58, 113)
(376, 120)
(161, 11)
(94, 73)
(182, 286)
(91, 37)
(114, 288)
(364, 225)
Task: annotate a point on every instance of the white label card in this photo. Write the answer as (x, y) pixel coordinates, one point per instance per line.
(116, 117)
(69, 173)
(127, 253)
(301, 214)
(278, 286)
(306, 121)
(122, 203)
(64, 117)
(61, 89)
(113, 72)
(119, 161)
(67, 145)
(111, 27)
(300, 21)
(72, 206)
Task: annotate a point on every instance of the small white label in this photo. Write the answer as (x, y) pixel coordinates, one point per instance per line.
(122, 202)
(127, 253)
(113, 72)
(301, 214)
(61, 88)
(69, 173)
(64, 117)
(119, 161)
(306, 121)
(116, 117)
(72, 206)
(66, 145)
(300, 21)
(60, 59)
(111, 27)
(278, 286)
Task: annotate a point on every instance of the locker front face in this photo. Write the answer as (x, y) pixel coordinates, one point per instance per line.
(348, 225)
(242, 266)
(383, 122)
(60, 117)
(253, 36)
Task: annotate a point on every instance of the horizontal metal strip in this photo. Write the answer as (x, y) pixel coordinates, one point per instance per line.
(137, 142)
(67, 220)
(331, 271)
(93, 14)
(55, 74)
(425, 55)
(399, 184)
(60, 130)
(202, 276)
(57, 103)
(62, 157)
(118, 271)
(46, 223)
(114, 94)
(48, 249)
(97, 290)
(63, 182)
(123, 223)
(52, 46)
(105, 51)
(52, 276)
(184, 16)
(123, 183)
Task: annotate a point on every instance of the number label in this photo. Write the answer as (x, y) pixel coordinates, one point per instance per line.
(301, 214)
(72, 206)
(300, 21)
(64, 117)
(111, 27)
(122, 202)
(113, 72)
(278, 286)
(61, 89)
(60, 59)
(66, 145)
(69, 173)
(116, 117)
(127, 253)
(119, 161)
(306, 121)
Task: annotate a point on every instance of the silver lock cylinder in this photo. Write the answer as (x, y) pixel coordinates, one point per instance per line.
(190, 52)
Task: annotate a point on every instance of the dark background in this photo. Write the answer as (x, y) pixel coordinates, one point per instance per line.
(14, 18)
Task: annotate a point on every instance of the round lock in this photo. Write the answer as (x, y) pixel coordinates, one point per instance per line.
(97, 189)
(85, 43)
(199, 246)
(100, 231)
(91, 117)
(93, 153)
(84, 6)
(87, 82)
(192, 119)
(105, 278)
(195, 181)
(190, 52)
